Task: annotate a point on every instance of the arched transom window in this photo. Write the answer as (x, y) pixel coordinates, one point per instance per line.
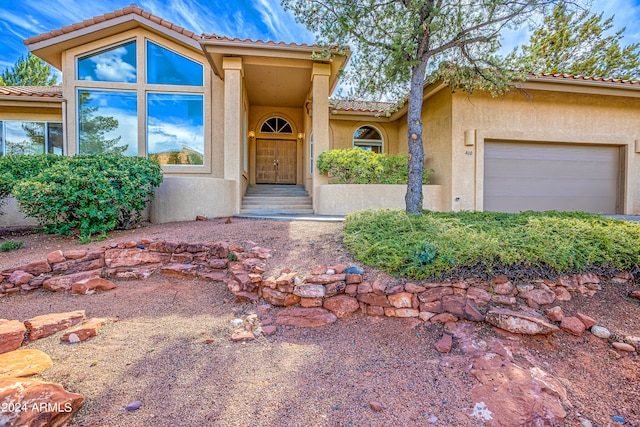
(276, 125)
(368, 138)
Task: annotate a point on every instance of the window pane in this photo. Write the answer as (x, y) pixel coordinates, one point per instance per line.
(116, 64)
(107, 122)
(24, 137)
(168, 68)
(1, 139)
(55, 138)
(175, 128)
(367, 133)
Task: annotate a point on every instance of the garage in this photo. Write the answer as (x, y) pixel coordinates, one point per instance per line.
(542, 176)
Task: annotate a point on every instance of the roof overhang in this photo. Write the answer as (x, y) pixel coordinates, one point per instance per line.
(50, 49)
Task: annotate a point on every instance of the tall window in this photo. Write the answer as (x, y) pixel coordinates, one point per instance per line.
(368, 138)
(26, 137)
(175, 128)
(109, 119)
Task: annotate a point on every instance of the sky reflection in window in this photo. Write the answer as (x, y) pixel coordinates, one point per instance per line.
(169, 68)
(175, 128)
(116, 64)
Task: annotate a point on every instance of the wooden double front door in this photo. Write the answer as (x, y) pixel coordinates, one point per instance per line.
(275, 161)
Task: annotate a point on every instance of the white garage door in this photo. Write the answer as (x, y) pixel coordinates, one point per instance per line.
(539, 177)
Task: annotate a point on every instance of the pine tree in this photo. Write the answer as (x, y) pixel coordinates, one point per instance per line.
(28, 71)
(573, 42)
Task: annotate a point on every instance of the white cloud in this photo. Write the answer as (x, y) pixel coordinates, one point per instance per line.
(110, 66)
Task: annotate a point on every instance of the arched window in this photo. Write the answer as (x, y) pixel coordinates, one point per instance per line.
(276, 125)
(368, 138)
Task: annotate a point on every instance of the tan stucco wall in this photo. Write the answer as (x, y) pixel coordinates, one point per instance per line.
(184, 198)
(341, 199)
(555, 117)
(13, 216)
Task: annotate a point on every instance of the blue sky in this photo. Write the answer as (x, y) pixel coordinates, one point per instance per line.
(258, 19)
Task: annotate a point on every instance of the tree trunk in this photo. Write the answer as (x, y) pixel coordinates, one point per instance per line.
(413, 198)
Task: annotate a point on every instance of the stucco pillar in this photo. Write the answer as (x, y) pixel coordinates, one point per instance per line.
(233, 133)
(319, 121)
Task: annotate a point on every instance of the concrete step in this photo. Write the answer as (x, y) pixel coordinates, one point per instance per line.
(278, 199)
(284, 211)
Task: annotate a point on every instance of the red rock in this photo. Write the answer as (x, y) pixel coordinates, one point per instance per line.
(85, 330)
(334, 288)
(478, 295)
(291, 299)
(562, 294)
(499, 280)
(23, 363)
(635, 294)
(623, 347)
(339, 268)
(35, 268)
(413, 288)
(218, 264)
(394, 290)
(342, 305)
(310, 291)
(444, 318)
(588, 321)
(20, 278)
(378, 287)
(569, 282)
(634, 341)
(539, 296)
(220, 250)
(201, 218)
(365, 288)
(318, 269)
(311, 302)
(587, 277)
(75, 254)
(213, 275)
(401, 300)
(181, 258)
(519, 322)
(376, 406)
(49, 324)
(503, 299)
(435, 294)
(11, 335)
(401, 312)
(243, 336)
(573, 325)
(351, 290)
(326, 278)
(444, 344)
(89, 286)
(55, 256)
(555, 314)
(179, 270)
(131, 273)
(133, 257)
(353, 279)
(269, 330)
(374, 310)
(274, 297)
(305, 317)
(505, 288)
(426, 316)
(432, 307)
(244, 297)
(286, 279)
(47, 404)
(65, 283)
(373, 299)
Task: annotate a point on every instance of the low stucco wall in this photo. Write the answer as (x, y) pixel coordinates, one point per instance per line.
(341, 199)
(182, 198)
(12, 215)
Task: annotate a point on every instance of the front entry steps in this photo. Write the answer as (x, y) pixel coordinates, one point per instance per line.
(267, 199)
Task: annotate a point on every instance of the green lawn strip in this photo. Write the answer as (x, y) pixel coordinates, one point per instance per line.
(438, 244)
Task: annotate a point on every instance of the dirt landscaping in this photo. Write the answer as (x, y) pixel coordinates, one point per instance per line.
(168, 346)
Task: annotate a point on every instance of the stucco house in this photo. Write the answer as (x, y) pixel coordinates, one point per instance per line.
(223, 114)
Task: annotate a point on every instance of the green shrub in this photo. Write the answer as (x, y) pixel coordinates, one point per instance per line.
(14, 168)
(93, 193)
(10, 245)
(529, 244)
(358, 166)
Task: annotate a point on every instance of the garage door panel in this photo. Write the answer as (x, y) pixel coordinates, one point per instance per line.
(536, 176)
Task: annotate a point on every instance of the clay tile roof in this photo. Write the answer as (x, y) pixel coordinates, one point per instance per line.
(583, 78)
(32, 91)
(107, 16)
(258, 42)
(361, 106)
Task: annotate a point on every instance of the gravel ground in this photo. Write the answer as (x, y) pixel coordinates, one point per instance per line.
(168, 346)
